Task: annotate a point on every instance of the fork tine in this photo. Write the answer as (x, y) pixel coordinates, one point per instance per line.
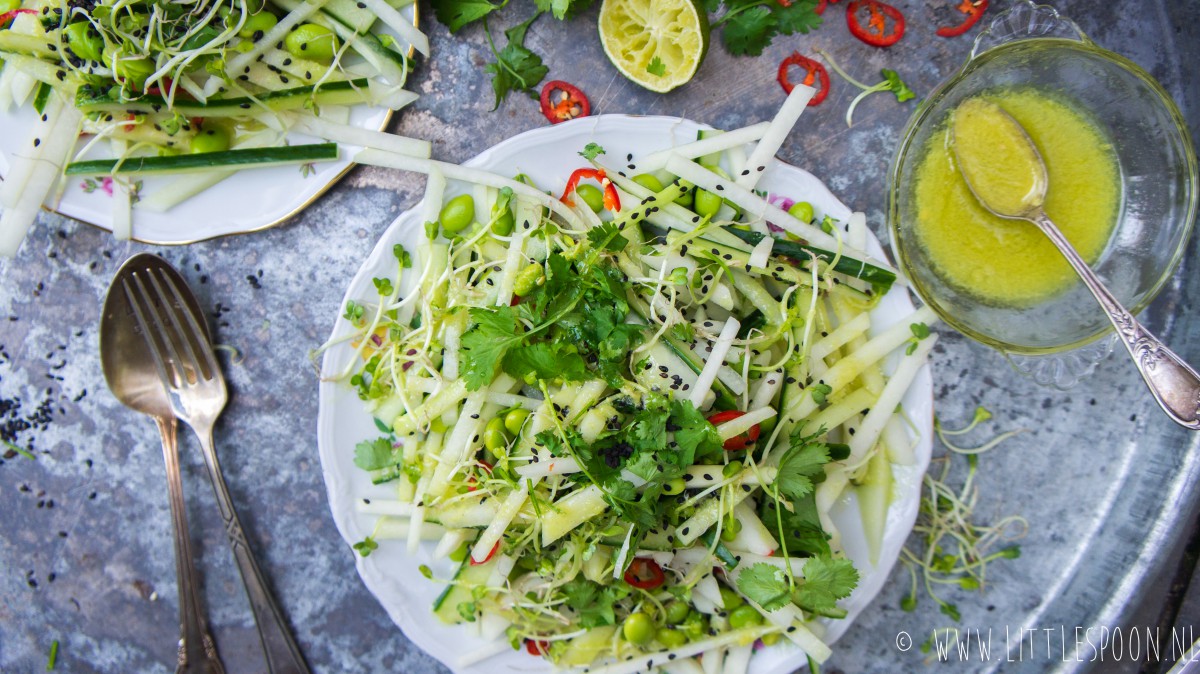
(174, 333)
(197, 331)
(147, 334)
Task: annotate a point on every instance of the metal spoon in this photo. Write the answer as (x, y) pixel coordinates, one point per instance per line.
(133, 379)
(1174, 384)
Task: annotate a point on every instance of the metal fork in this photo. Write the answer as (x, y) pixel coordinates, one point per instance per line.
(196, 388)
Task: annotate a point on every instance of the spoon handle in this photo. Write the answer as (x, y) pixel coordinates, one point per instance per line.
(1174, 384)
(197, 652)
(282, 654)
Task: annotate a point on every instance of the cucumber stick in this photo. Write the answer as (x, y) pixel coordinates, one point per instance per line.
(252, 157)
(348, 92)
(458, 592)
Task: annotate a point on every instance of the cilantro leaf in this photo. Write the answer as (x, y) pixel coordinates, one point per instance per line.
(765, 585)
(484, 345)
(693, 433)
(593, 603)
(516, 68)
(656, 67)
(544, 360)
(826, 580)
(798, 466)
(903, 93)
(799, 529)
(564, 9)
(591, 151)
(607, 237)
(458, 13)
(748, 32)
(375, 454)
(800, 16)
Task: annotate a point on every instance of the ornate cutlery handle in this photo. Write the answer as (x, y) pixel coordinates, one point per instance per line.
(1174, 384)
(282, 653)
(197, 652)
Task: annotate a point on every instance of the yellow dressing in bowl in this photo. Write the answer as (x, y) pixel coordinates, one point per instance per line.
(996, 158)
(1006, 261)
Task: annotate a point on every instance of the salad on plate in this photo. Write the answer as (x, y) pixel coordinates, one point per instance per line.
(620, 415)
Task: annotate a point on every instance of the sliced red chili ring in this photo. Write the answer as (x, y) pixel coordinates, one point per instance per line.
(875, 32)
(612, 201)
(738, 442)
(536, 647)
(814, 71)
(12, 14)
(644, 574)
(822, 5)
(485, 560)
(973, 9)
(562, 101)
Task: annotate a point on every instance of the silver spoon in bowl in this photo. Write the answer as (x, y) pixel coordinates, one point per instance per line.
(1021, 195)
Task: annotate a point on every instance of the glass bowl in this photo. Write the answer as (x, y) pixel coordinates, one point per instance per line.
(1033, 46)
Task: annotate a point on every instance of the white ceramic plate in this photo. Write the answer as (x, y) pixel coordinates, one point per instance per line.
(548, 155)
(249, 201)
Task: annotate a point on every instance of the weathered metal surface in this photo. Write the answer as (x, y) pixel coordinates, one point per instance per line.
(85, 556)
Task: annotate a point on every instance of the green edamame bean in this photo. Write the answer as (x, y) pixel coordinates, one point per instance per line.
(83, 40)
(687, 199)
(744, 616)
(494, 436)
(670, 638)
(257, 24)
(528, 279)
(514, 420)
(649, 181)
(675, 486)
(731, 599)
(732, 468)
(676, 612)
(592, 196)
(133, 71)
(457, 214)
(503, 224)
(707, 203)
(638, 628)
(210, 139)
(802, 211)
(311, 41)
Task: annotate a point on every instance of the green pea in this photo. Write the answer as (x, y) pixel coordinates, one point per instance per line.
(707, 203)
(529, 279)
(494, 436)
(257, 24)
(674, 487)
(687, 199)
(670, 638)
(802, 211)
(514, 420)
(676, 612)
(732, 468)
(770, 639)
(638, 628)
(210, 139)
(84, 41)
(649, 181)
(457, 214)
(744, 616)
(592, 196)
(731, 599)
(503, 224)
(311, 41)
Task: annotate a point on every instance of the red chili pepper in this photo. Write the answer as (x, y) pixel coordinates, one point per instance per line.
(9, 16)
(823, 4)
(485, 560)
(875, 32)
(644, 574)
(739, 442)
(536, 647)
(973, 9)
(611, 201)
(568, 103)
(813, 71)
